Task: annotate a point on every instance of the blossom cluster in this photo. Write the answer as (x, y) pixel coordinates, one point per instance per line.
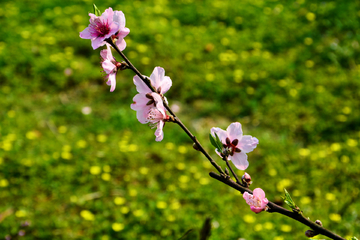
(149, 104)
(109, 24)
(235, 148)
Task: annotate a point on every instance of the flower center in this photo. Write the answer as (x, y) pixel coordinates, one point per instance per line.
(254, 201)
(101, 29)
(231, 146)
(154, 115)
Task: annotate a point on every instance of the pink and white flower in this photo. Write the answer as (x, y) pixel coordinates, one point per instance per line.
(157, 117)
(153, 113)
(257, 200)
(235, 144)
(149, 105)
(110, 66)
(109, 24)
(140, 103)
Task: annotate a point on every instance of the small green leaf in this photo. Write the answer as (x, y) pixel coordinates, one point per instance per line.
(353, 238)
(218, 142)
(96, 10)
(212, 140)
(288, 200)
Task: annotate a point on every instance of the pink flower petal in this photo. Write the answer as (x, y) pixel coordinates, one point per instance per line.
(264, 202)
(108, 14)
(159, 103)
(166, 84)
(108, 66)
(143, 114)
(112, 80)
(86, 34)
(119, 17)
(104, 53)
(247, 143)
(123, 33)
(158, 79)
(109, 53)
(97, 42)
(140, 101)
(121, 44)
(157, 76)
(259, 193)
(246, 196)
(108, 60)
(142, 110)
(114, 28)
(234, 131)
(256, 209)
(221, 133)
(240, 160)
(159, 131)
(140, 85)
(92, 17)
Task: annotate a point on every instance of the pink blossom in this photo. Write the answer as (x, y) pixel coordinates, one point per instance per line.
(119, 18)
(157, 117)
(246, 179)
(110, 66)
(109, 24)
(142, 104)
(257, 201)
(153, 113)
(160, 82)
(235, 144)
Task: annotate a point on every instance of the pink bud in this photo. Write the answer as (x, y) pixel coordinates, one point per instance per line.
(318, 222)
(236, 144)
(257, 201)
(246, 179)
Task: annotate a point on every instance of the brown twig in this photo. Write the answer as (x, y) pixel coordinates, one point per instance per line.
(223, 177)
(276, 208)
(232, 171)
(176, 119)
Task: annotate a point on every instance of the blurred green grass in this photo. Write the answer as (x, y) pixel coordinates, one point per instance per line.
(287, 70)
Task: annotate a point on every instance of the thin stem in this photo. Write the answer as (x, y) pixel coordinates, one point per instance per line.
(222, 177)
(177, 120)
(232, 171)
(276, 208)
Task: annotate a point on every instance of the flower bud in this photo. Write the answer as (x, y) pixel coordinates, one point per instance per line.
(122, 65)
(246, 179)
(310, 233)
(318, 222)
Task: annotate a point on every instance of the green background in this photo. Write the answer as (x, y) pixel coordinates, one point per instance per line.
(288, 71)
